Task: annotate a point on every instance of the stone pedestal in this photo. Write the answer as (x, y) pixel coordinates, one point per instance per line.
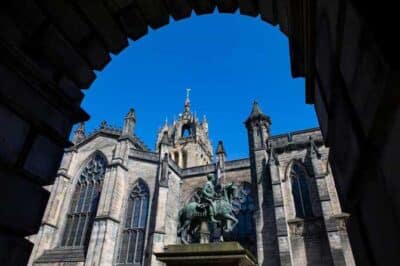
(220, 254)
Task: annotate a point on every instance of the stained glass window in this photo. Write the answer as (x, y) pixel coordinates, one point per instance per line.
(84, 203)
(301, 195)
(133, 233)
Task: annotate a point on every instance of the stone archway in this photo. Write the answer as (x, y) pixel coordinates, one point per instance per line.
(50, 50)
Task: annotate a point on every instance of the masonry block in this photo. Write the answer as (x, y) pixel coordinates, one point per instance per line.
(23, 204)
(31, 105)
(104, 24)
(368, 85)
(27, 14)
(179, 9)
(67, 19)
(155, 12)
(9, 31)
(133, 22)
(321, 109)
(12, 135)
(202, 7)
(14, 251)
(95, 52)
(248, 7)
(267, 11)
(64, 57)
(43, 159)
(227, 6)
(283, 15)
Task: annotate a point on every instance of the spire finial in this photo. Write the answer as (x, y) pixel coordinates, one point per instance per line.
(188, 95)
(103, 124)
(186, 114)
(79, 133)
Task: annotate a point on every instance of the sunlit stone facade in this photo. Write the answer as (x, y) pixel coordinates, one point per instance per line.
(116, 202)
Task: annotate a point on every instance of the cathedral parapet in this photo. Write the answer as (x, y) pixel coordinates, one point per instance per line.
(296, 140)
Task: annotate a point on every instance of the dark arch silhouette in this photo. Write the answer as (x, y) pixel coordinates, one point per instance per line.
(50, 50)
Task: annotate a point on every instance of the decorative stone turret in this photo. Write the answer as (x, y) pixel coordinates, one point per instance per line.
(204, 124)
(79, 134)
(165, 144)
(129, 123)
(258, 126)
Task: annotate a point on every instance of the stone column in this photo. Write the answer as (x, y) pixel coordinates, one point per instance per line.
(298, 248)
(46, 237)
(333, 217)
(157, 233)
(280, 217)
(180, 159)
(257, 178)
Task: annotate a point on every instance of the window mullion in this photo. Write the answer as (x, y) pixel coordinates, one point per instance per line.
(130, 230)
(79, 212)
(138, 230)
(69, 229)
(87, 214)
(300, 191)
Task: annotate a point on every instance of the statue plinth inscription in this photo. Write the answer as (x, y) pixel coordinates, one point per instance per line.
(216, 254)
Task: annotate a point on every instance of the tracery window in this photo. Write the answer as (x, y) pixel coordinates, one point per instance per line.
(84, 203)
(131, 248)
(301, 195)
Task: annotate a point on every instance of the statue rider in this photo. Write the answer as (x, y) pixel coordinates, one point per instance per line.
(208, 196)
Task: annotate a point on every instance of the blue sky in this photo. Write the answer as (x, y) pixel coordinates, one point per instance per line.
(228, 60)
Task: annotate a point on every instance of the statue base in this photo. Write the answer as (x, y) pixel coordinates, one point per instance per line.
(220, 254)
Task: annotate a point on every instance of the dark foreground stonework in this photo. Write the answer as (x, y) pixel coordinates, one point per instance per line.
(218, 254)
(345, 49)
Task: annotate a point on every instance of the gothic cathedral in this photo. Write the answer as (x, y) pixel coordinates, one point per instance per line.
(116, 202)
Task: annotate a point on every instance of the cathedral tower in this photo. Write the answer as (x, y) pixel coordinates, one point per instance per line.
(188, 138)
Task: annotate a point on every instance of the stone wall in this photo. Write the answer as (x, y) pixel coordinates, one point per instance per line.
(51, 50)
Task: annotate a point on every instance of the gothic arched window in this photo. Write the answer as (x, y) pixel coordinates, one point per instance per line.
(301, 195)
(134, 228)
(84, 203)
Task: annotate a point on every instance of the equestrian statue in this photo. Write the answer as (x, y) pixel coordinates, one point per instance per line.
(212, 208)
